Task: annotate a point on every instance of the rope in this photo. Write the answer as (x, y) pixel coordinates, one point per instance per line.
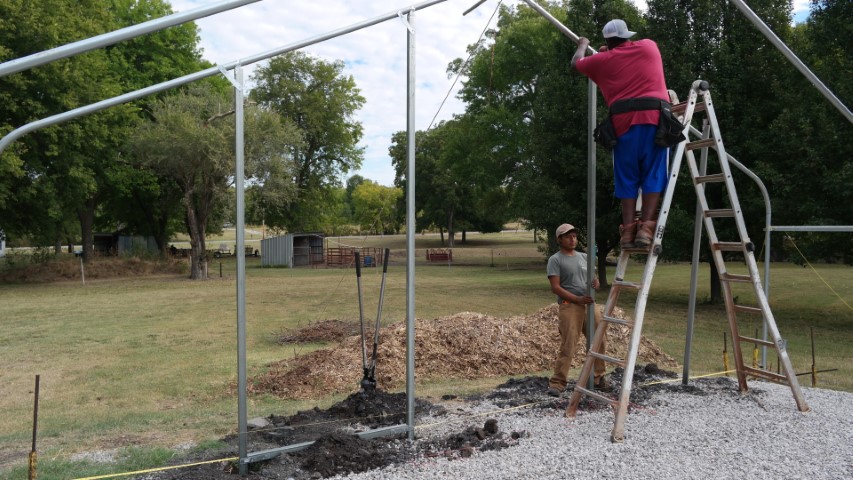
(125, 474)
(818, 275)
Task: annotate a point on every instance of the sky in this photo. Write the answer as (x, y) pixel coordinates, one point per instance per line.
(375, 57)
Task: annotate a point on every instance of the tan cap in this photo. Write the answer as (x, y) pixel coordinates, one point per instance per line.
(564, 229)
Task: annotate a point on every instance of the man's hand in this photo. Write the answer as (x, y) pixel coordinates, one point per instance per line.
(595, 283)
(583, 43)
(585, 300)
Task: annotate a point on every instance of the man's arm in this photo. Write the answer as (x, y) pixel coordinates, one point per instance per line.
(565, 294)
(583, 43)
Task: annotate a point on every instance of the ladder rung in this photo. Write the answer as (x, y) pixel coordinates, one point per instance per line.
(757, 341)
(773, 377)
(607, 358)
(619, 321)
(597, 396)
(733, 277)
(682, 107)
(708, 142)
(626, 284)
(728, 246)
(637, 249)
(723, 212)
(714, 178)
(745, 309)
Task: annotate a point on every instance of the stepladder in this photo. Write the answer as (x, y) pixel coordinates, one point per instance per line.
(717, 210)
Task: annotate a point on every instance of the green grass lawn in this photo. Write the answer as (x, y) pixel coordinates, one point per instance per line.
(151, 362)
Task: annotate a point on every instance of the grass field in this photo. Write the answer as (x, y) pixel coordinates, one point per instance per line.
(150, 362)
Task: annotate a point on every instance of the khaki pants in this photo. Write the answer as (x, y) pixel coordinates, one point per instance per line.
(572, 322)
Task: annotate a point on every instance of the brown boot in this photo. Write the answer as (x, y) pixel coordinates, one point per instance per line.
(626, 235)
(645, 233)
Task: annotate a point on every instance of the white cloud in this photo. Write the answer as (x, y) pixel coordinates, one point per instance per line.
(375, 56)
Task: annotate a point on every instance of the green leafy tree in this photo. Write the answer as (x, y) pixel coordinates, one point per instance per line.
(375, 207)
(191, 141)
(321, 101)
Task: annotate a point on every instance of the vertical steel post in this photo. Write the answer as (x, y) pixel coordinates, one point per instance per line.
(410, 226)
(590, 218)
(242, 416)
(694, 272)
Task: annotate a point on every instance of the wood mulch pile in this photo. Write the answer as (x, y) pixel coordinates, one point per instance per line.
(466, 345)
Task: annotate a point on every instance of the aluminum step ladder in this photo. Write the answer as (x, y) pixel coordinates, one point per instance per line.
(710, 139)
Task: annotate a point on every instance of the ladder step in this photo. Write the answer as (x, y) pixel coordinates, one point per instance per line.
(626, 284)
(619, 321)
(757, 341)
(682, 107)
(607, 358)
(728, 246)
(713, 178)
(733, 277)
(708, 142)
(773, 377)
(597, 396)
(637, 249)
(745, 309)
(721, 213)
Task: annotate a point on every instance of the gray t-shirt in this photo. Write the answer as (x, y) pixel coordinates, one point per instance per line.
(572, 271)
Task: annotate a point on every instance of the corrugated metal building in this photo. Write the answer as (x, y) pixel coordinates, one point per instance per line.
(293, 250)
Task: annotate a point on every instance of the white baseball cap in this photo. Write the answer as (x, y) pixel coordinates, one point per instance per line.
(617, 28)
(564, 229)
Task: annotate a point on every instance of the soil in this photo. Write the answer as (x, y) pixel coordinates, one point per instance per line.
(338, 450)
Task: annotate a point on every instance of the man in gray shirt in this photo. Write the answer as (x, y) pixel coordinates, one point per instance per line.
(567, 272)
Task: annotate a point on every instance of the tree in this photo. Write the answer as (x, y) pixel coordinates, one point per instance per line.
(191, 140)
(321, 101)
(375, 207)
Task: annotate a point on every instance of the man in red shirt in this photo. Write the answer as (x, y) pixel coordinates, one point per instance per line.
(626, 69)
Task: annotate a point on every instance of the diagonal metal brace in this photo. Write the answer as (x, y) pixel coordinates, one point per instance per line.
(230, 77)
(406, 22)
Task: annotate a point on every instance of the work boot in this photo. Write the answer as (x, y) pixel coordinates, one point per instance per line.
(626, 235)
(645, 233)
(603, 385)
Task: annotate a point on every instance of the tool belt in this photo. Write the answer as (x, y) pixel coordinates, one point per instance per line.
(670, 130)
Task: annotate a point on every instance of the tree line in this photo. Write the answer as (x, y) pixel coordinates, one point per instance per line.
(165, 164)
(520, 150)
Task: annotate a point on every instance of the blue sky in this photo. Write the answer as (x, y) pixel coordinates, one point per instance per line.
(375, 57)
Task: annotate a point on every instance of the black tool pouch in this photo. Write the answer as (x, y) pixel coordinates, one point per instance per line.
(604, 134)
(670, 130)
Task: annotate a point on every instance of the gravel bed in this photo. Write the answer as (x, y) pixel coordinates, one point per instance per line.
(712, 433)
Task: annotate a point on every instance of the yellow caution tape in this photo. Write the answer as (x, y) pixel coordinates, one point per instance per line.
(125, 474)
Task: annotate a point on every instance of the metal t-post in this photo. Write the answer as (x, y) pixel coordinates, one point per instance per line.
(590, 188)
(410, 227)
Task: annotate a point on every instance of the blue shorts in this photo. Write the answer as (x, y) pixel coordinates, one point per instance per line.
(639, 163)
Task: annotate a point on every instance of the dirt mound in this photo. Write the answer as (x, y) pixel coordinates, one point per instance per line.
(465, 346)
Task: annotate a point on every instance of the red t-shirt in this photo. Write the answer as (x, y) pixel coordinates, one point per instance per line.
(631, 70)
